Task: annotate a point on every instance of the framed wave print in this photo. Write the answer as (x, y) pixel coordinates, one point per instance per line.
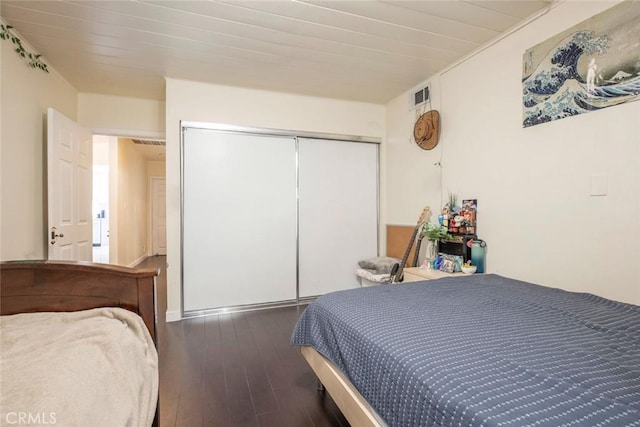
(593, 65)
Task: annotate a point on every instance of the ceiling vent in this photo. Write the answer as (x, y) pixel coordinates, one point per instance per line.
(418, 97)
(148, 142)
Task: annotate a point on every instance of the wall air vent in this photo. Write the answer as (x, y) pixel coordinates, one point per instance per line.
(149, 142)
(418, 97)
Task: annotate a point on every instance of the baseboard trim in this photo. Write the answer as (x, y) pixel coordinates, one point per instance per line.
(138, 261)
(173, 316)
(238, 308)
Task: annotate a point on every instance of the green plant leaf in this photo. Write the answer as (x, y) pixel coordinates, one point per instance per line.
(33, 59)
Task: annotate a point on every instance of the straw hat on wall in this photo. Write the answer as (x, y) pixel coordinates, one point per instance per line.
(427, 130)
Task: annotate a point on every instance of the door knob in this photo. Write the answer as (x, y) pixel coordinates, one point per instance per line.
(55, 235)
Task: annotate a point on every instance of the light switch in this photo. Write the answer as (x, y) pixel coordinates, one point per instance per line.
(598, 185)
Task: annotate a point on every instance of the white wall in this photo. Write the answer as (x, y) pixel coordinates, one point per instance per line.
(413, 180)
(122, 116)
(133, 197)
(191, 101)
(532, 185)
(25, 95)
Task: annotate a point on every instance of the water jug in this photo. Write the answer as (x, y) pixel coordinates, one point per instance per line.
(478, 249)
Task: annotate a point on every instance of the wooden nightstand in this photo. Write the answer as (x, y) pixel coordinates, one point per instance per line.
(415, 274)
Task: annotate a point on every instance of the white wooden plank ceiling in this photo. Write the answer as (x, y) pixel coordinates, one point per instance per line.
(360, 50)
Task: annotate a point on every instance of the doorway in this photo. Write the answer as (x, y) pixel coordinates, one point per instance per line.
(128, 210)
(100, 198)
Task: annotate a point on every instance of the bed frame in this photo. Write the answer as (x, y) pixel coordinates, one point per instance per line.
(353, 406)
(36, 286)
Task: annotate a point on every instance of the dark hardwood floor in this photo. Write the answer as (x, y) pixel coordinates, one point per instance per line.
(236, 370)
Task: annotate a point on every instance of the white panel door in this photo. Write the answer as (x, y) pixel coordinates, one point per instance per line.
(338, 197)
(239, 219)
(158, 216)
(69, 162)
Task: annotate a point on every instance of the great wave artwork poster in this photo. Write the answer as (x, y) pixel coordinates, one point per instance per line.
(593, 65)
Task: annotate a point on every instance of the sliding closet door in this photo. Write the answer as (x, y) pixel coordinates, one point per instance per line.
(338, 203)
(239, 219)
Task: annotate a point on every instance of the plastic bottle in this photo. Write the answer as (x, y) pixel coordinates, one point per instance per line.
(478, 252)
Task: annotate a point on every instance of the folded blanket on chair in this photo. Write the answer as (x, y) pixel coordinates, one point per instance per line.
(379, 265)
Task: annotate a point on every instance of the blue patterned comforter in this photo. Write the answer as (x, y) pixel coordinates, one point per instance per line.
(482, 350)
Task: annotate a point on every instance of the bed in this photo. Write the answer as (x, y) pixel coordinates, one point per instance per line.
(78, 344)
(481, 350)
